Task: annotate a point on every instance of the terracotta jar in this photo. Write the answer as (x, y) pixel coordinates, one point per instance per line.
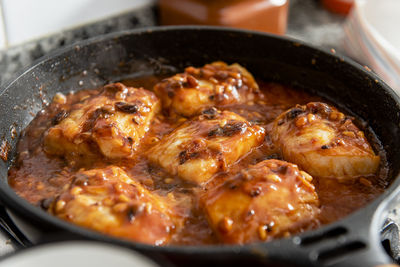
(339, 6)
(260, 15)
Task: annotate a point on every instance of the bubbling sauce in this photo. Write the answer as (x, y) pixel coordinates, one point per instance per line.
(40, 178)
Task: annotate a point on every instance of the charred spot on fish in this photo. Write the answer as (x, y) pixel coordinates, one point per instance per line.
(133, 211)
(293, 113)
(215, 132)
(182, 157)
(319, 108)
(59, 117)
(135, 121)
(254, 192)
(229, 129)
(210, 113)
(89, 123)
(130, 140)
(127, 107)
(269, 227)
(185, 156)
(325, 147)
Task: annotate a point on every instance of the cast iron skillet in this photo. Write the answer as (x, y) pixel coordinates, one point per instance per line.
(352, 241)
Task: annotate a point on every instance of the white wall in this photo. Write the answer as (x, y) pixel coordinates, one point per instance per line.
(24, 20)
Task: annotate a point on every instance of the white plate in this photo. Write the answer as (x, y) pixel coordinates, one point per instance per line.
(76, 254)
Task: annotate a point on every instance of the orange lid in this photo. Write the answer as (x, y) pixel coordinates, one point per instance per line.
(338, 6)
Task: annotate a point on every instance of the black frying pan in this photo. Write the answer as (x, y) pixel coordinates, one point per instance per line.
(352, 241)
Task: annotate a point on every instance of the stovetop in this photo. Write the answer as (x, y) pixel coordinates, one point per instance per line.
(11, 239)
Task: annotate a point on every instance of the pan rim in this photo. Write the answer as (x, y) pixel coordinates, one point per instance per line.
(10, 197)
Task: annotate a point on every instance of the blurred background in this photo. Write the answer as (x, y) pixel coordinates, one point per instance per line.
(31, 29)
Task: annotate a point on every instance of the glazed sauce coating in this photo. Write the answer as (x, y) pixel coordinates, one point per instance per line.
(40, 178)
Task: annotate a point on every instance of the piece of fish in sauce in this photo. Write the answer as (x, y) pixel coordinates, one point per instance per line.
(109, 201)
(111, 124)
(214, 84)
(264, 201)
(205, 145)
(324, 142)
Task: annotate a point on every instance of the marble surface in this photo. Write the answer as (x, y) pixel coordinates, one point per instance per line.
(308, 21)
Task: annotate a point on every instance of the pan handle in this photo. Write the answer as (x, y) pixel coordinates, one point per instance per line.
(361, 238)
(390, 239)
(351, 242)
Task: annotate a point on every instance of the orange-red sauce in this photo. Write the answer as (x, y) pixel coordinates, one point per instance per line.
(36, 176)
